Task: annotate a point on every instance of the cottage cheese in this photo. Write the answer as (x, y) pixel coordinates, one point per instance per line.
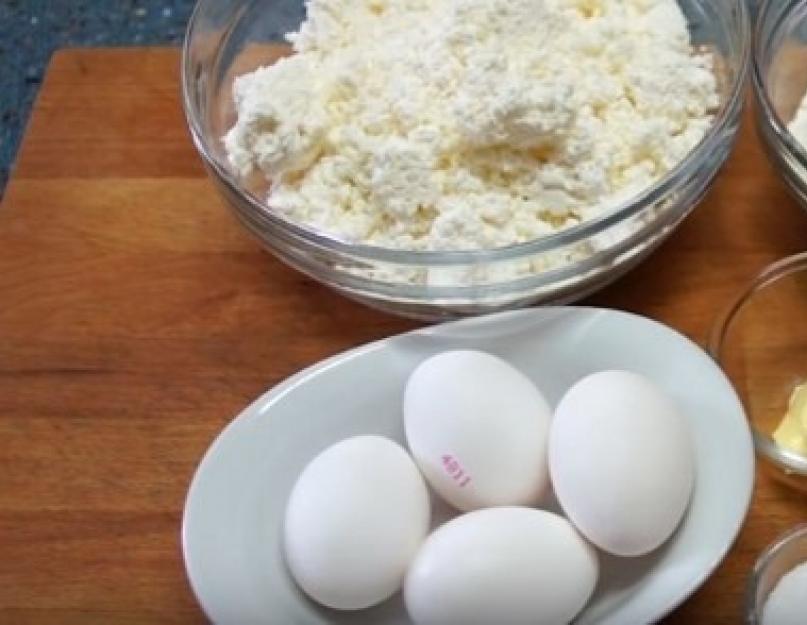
(471, 124)
(798, 127)
(785, 605)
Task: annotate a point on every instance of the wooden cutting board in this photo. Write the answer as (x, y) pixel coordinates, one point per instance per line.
(137, 318)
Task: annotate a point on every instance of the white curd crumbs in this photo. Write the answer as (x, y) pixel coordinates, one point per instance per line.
(798, 127)
(787, 604)
(471, 124)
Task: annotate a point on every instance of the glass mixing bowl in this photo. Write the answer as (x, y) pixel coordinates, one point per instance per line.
(226, 38)
(780, 83)
(761, 344)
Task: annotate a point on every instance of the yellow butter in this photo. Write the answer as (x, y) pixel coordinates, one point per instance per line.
(792, 431)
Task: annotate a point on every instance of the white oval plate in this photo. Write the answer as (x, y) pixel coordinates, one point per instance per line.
(234, 510)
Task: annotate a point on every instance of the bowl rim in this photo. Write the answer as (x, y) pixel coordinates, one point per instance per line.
(768, 555)
(420, 258)
(791, 462)
(759, 76)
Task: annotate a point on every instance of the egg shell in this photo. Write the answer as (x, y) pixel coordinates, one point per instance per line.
(622, 462)
(508, 565)
(355, 519)
(477, 428)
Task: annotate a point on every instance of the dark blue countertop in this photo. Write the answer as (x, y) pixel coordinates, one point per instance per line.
(30, 30)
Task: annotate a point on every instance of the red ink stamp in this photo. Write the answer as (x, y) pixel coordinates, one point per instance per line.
(455, 471)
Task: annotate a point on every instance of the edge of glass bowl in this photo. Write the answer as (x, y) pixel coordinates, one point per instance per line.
(548, 243)
(752, 607)
(793, 463)
(760, 83)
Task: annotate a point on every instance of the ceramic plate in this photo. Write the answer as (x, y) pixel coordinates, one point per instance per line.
(234, 510)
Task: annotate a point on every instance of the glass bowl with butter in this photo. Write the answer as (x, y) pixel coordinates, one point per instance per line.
(779, 77)
(761, 343)
(446, 158)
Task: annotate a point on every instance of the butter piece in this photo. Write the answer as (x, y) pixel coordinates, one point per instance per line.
(792, 431)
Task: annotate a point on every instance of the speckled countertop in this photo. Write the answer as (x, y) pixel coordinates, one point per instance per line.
(30, 30)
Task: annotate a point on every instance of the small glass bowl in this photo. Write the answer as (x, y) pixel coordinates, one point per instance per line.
(781, 557)
(761, 343)
(780, 83)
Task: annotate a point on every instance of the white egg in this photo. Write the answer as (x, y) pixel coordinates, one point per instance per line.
(355, 519)
(478, 429)
(622, 462)
(501, 565)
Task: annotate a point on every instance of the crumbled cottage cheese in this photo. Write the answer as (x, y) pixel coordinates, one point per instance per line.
(471, 124)
(798, 127)
(785, 605)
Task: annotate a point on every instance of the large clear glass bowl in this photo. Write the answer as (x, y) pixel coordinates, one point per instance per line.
(780, 84)
(226, 38)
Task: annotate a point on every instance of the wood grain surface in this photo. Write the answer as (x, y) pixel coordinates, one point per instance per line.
(137, 318)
